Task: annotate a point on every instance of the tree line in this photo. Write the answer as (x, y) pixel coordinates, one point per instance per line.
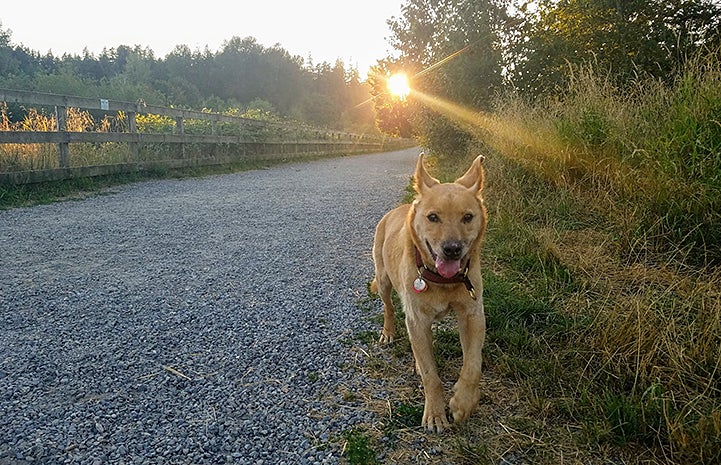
(470, 51)
(243, 77)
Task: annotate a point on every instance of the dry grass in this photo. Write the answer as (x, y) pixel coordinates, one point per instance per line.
(513, 424)
(23, 157)
(651, 339)
(648, 153)
(656, 333)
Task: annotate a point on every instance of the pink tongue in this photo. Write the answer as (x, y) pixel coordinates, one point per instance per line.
(448, 269)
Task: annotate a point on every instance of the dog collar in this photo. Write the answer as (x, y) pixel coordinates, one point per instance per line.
(427, 274)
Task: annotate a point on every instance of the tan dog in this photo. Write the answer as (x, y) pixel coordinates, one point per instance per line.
(430, 253)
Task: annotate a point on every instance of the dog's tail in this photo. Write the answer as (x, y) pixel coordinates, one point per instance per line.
(373, 287)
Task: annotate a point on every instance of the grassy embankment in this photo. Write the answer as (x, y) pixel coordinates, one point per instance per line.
(601, 284)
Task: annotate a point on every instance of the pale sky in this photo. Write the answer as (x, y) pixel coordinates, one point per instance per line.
(353, 31)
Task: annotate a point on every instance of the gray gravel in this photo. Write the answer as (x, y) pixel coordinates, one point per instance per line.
(191, 321)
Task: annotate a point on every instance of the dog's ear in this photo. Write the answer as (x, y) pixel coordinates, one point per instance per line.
(422, 179)
(473, 179)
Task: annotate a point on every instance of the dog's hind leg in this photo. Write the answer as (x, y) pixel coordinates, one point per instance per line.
(385, 290)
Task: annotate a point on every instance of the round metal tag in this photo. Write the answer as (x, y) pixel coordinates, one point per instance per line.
(419, 285)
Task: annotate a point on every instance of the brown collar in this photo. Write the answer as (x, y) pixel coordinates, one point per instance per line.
(433, 277)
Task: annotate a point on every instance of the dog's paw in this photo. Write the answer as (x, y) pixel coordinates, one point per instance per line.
(435, 422)
(464, 403)
(434, 413)
(386, 338)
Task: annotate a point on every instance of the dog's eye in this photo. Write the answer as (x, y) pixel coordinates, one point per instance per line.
(433, 218)
(467, 218)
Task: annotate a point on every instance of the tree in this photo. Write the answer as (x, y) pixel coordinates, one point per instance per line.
(357, 112)
(454, 51)
(14, 60)
(628, 38)
(392, 115)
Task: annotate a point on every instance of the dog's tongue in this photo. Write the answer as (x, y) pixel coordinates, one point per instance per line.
(448, 268)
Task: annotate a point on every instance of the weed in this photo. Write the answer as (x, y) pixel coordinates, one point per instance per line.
(406, 416)
(358, 448)
(654, 147)
(367, 337)
(631, 288)
(471, 453)
(446, 347)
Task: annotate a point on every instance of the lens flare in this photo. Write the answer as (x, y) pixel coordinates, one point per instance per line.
(398, 85)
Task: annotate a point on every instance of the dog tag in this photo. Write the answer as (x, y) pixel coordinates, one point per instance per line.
(419, 285)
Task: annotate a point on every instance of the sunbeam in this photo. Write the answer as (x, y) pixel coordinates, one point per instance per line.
(482, 124)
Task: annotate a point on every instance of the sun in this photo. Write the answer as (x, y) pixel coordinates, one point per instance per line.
(398, 85)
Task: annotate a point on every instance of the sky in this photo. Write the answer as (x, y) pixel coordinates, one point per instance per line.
(326, 30)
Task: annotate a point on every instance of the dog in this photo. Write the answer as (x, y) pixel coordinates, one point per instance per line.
(429, 252)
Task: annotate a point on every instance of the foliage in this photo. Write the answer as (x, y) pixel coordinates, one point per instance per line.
(155, 123)
(628, 39)
(452, 50)
(653, 146)
(392, 115)
(22, 157)
(467, 52)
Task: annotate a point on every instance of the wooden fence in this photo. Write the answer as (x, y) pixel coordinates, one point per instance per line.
(253, 139)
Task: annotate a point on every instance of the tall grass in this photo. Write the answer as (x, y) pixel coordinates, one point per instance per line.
(653, 146)
(21, 157)
(626, 238)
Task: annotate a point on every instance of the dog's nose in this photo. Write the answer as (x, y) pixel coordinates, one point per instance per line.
(452, 250)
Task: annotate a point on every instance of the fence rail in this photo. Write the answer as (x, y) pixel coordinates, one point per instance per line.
(257, 140)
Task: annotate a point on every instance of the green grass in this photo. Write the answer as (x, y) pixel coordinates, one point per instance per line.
(651, 152)
(619, 193)
(605, 339)
(406, 416)
(358, 449)
(43, 193)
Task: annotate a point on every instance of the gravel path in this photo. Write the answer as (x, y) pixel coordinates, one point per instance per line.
(190, 321)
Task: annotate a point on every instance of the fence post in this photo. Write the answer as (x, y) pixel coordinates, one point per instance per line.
(181, 131)
(133, 128)
(214, 131)
(61, 114)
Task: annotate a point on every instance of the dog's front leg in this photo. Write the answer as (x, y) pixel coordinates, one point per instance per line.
(421, 338)
(472, 328)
